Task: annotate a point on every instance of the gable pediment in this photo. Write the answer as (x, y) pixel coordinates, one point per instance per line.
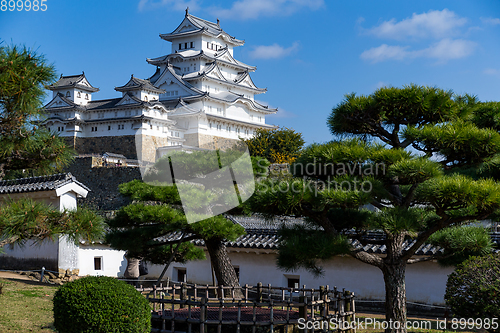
(127, 99)
(216, 73)
(58, 102)
(185, 26)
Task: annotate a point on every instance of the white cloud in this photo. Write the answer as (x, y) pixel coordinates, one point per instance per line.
(385, 52)
(171, 4)
(253, 9)
(434, 24)
(492, 71)
(273, 51)
(442, 51)
(490, 20)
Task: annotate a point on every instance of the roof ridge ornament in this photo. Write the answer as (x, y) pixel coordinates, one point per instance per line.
(218, 22)
(187, 11)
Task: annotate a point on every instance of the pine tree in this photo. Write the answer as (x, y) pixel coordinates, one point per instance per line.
(419, 193)
(156, 226)
(27, 149)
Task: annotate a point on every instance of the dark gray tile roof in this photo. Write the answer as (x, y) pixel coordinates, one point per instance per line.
(136, 83)
(35, 184)
(72, 81)
(203, 25)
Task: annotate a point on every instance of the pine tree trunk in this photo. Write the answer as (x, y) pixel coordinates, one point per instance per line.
(224, 270)
(395, 297)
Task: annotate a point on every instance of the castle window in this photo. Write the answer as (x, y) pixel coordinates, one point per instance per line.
(150, 126)
(185, 45)
(180, 46)
(109, 128)
(192, 44)
(212, 46)
(98, 263)
(208, 45)
(86, 96)
(79, 95)
(68, 94)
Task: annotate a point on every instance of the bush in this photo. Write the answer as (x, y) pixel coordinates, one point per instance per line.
(100, 305)
(473, 290)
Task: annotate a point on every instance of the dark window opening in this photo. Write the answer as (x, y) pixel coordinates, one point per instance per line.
(180, 46)
(181, 274)
(293, 282)
(98, 263)
(192, 44)
(185, 45)
(237, 271)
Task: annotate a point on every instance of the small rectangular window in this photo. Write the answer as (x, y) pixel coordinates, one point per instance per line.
(185, 45)
(192, 44)
(98, 263)
(109, 128)
(181, 274)
(293, 282)
(180, 46)
(237, 271)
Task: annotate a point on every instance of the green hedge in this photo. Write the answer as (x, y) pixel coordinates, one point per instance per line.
(100, 305)
(473, 290)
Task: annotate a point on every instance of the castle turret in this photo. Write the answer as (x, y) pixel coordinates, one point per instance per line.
(76, 88)
(142, 89)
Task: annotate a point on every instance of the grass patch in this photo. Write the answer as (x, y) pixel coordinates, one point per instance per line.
(26, 306)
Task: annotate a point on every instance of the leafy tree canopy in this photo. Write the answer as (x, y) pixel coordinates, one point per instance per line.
(280, 145)
(411, 165)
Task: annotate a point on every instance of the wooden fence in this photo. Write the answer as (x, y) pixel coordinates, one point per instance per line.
(181, 307)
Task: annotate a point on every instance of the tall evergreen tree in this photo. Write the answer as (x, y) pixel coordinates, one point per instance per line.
(27, 149)
(420, 195)
(156, 226)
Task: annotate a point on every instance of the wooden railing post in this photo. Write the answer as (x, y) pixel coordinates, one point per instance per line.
(183, 294)
(203, 315)
(303, 311)
(259, 292)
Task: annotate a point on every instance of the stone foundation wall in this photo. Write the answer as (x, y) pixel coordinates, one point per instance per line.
(103, 183)
(124, 145)
(148, 145)
(209, 141)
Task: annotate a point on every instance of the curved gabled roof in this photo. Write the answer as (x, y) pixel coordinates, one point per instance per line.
(195, 25)
(231, 98)
(139, 84)
(195, 91)
(213, 72)
(222, 56)
(69, 104)
(73, 81)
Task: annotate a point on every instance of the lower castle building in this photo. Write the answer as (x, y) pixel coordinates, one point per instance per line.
(198, 96)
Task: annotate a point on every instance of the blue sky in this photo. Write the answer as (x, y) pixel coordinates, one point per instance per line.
(308, 53)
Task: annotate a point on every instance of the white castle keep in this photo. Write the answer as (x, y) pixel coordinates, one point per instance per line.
(199, 96)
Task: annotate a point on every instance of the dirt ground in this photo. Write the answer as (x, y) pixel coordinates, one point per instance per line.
(13, 275)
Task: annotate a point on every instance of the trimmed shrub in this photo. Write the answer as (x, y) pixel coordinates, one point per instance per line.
(100, 304)
(473, 290)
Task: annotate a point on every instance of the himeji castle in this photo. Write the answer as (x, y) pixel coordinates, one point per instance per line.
(199, 96)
